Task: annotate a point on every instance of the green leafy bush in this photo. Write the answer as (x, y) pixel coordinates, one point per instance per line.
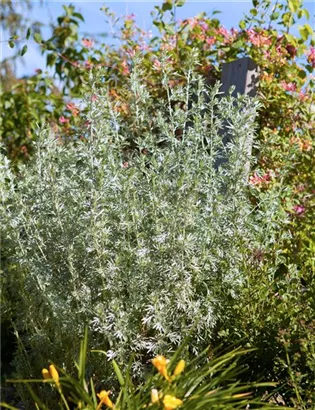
(140, 246)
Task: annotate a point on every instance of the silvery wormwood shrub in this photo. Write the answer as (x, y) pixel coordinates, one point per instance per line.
(144, 246)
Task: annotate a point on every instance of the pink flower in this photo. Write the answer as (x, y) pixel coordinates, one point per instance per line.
(258, 39)
(300, 188)
(157, 65)
(94, 97)
(193, 22)
(87, 43)
(63, 120)
(73, 108)
(223, 32)
(88, 64)
(302, 95)
(288, 86)
(125, 164)
(204, 26)
(258, 181)
(131, 53)
(131, 16)
(299, 209)
(210, 40)
(144, 46)
(311, 57)
(125, 67)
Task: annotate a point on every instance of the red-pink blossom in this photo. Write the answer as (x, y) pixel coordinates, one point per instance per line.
(156, 65)
(300, 188)
(210, 40)
(193, 22)
(73, 108)
(288, 86)
(256, 180)
(311, 56)
(131, 16)
(88, 64)
(144, 46)
(299, 209)
(131, 53)
(258, 39)
(223, 32)
(94, 97)
(125, 67)
(63, 120)
(87, 43)
(302, 95)
(204, 26)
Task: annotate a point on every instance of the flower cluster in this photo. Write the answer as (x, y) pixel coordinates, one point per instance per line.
(160, 363)
(170, 402)
(256, 180)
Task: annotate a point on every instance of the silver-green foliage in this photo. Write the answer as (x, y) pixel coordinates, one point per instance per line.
(142, 246)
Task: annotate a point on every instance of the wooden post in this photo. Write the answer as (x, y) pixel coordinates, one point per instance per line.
(244, 75)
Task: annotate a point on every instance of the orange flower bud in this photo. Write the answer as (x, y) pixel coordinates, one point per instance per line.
(179, 368)
(104, 399)
(54, 374)
(46, 374)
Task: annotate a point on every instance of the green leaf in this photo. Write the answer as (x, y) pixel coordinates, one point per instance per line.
(294, 5)
(7, 406)
(78, 16)
(290, 39)
(118, 373)
(287, 19)
(180, 3)
(24, 50)
(305, 31)
(28, 33)
(37, 38)
(254, 12)
(305, 13)
(167, 5)
(275, 15)
(11, 44)
(51, 59)
(242, 24)
(302, 74)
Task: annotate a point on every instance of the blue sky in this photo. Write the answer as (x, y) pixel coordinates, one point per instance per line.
(232, 13)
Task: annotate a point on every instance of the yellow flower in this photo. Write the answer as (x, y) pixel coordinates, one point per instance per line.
(179, 368)
(171, 402)
(104, 399)
(54, 374)
(154, 396)
(46, 374)
(160, 363)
